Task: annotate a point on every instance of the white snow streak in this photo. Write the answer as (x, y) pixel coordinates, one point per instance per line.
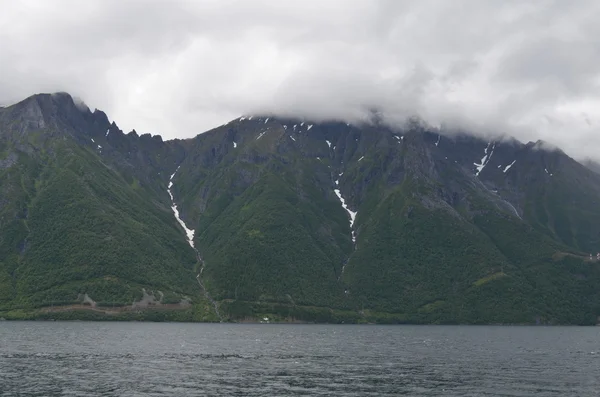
(361, 158)
(93, 140)
(486, 158)
(350, 212)
(508, 166)
(547, 172)
(309, 127)
(261, 135)
(188, 232)
(242, 118)
(267, 119)
(328, 143)
(99, 147)
(234, 145)
(293, 139)
(107, 132)
(438, 141)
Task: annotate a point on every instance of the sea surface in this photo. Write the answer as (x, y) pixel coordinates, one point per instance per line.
(174, 359)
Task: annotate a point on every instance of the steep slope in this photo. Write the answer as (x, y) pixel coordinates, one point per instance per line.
(591, 165)
(440, 245)
(267, 227)
(75, 227)
(549, 190)
(434, 241)
(291, 219)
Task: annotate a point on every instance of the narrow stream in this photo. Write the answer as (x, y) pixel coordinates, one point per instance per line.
(189, 233)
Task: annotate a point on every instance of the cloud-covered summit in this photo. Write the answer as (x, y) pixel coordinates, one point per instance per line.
(178, 68)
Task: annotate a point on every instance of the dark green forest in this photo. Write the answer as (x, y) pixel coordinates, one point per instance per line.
(87, 230)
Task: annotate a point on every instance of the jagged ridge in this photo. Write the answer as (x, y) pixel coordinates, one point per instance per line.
(430, 228)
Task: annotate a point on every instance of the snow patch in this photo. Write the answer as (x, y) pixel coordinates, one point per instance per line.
(293, 139)
(267, 119)
(188, 232)
(350, 212)
(438, 141)
(361, 158)
(328, 143)
(285, 127)
(508, 166)
(93, 140)
(99, 147)
(242, 118)
(309, 127)
(486, 158)
(234, 145)
(107, 132)
(261, 135)
(545, 169)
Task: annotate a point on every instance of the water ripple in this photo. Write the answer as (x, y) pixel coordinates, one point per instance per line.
(148, 359)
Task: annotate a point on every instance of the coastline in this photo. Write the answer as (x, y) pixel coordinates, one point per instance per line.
(200, 313)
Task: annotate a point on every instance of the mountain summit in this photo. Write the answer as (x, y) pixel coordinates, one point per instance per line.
(287, 219)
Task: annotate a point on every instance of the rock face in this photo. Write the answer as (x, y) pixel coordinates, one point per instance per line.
(295, 219)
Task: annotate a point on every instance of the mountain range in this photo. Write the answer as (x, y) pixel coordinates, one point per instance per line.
(271, 218)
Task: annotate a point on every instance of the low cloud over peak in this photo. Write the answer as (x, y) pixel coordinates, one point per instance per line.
(178, 68)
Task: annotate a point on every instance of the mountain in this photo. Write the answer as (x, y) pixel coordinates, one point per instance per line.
(592, 165)
(291, 220)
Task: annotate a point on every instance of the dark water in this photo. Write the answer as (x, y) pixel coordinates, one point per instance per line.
(154, 359)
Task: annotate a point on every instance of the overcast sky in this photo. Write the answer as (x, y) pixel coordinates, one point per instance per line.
(178, 68)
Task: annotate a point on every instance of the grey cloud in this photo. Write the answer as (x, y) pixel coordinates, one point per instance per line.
(178, 68)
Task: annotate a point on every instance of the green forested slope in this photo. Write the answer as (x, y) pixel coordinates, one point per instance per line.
(84, 214)
(71, 225)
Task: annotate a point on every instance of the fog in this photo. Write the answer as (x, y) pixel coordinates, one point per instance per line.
(178, 68)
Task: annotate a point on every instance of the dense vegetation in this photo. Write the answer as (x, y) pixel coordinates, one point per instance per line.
(72, 226)
(84, 215)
